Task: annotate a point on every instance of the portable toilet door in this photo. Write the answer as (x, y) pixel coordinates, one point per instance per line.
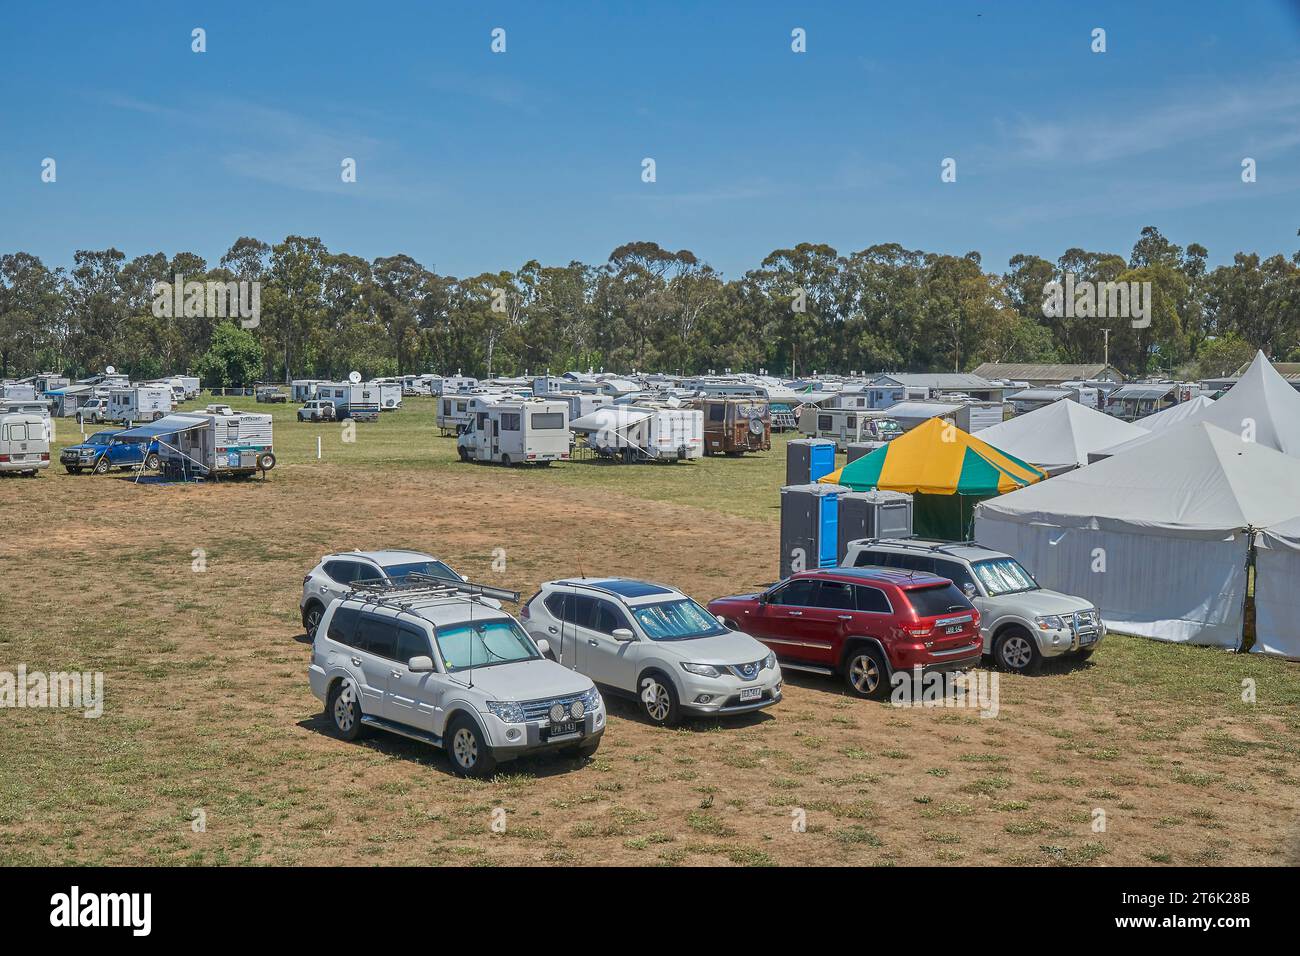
(828, 536)
(821, 461)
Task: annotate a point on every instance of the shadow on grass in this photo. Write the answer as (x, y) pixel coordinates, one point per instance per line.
(630, 709)
(538, 766)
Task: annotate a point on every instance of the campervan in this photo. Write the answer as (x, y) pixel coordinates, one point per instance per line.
(733, 426)
(139, 403)
(24, 443)
(304, 389)
(452, 410)
(846, 426)
(40, 407)
(514, 431)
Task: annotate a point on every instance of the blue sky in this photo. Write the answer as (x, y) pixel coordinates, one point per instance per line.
(473, 161)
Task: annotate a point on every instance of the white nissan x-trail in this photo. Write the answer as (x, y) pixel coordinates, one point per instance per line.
(653, 643)
(438, 663)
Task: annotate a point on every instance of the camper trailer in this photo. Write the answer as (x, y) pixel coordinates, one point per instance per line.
(513, 431)
(846, 426)
(18, 391)
(139, 403)
(733, 426)
(215, 443)
(304, 389)
(643, 432)
(357, 402)
(24, 443)
(580, 403)
(453, 384)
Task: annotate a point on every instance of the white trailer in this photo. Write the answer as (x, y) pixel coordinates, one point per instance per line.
(18, 391)
(849, 426)
(24, 443)
(390, 394)
(215, 443)
(513, 431)
(643, 432)
(453, 384)
(139, 403)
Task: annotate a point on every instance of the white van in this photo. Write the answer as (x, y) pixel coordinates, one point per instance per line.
(515, 431)
(24, 446)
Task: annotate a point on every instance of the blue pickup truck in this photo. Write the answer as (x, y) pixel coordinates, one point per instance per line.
(100, 452)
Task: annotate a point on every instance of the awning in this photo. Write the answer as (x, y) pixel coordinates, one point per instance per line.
(610, 418)
(167, 425)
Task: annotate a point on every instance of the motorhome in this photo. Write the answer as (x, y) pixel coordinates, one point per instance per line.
(214, 443)
(40, 407)
(453, 384)
(846, 426)
(513, 431)
(24, 443)
(733, 426)
(452, 410)
(390, 394)
(139, 403)
(643, 432)
(304, 389)
(355, 401)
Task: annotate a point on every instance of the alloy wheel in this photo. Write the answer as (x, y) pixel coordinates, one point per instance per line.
(864, 674)
(465, 748)
(1016, 652)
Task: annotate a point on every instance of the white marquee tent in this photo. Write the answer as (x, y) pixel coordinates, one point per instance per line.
(1175, 414)
(1059, 436)
(1277, 598)
(1261, 407)
(1157, 537)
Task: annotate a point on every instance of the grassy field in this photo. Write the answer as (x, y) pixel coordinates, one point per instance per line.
(208, 712)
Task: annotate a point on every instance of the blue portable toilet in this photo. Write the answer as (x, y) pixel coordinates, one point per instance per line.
(810, 527)
(807, 459)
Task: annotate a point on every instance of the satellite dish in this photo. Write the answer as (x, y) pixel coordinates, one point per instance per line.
(354, 377)
(110, 370)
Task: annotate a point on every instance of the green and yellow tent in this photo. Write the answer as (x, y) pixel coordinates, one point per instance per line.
(947, 470)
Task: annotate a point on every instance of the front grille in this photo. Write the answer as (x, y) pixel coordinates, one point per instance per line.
(540, 709)
(746, 671)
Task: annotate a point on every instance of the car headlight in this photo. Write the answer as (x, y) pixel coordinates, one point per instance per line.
(769, 661)
(507, 710)
(702, 670)
(1051, 622)
(591, 700)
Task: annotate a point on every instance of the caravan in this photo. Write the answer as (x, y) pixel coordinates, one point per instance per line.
(846, 426)
(643, 432)
(139, 403)
(214, 443)
(514, 431)
(357, 402)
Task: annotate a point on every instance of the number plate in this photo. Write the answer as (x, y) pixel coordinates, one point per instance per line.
(954, 628)
(1087, 638)
(751, 694)
(567, 729)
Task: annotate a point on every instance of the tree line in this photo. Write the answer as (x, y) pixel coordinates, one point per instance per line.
(324, 314)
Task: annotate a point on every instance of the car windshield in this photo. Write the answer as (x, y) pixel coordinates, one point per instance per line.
(676, 621)
(400, 572)
(1003, 576)
(100, 438)
(483, 644)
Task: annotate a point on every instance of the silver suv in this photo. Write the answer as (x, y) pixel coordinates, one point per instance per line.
(336, 574)
(434, 661)
(1021, 622)
(655, 644)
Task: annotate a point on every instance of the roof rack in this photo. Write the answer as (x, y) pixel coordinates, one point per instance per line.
(416, 586)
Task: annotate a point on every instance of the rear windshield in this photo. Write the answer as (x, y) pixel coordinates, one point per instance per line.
(937, 600)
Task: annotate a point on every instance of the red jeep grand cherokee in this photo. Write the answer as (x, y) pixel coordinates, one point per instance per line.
(863, 623)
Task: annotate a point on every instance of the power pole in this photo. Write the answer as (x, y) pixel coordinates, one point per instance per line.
(1106, 335)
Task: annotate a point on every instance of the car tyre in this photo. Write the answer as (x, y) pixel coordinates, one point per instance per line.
(659, 700)
(463, 452)
(866, 672)
(1016, 651)
(467, 751)
(102, 466)
(343, 710)
(311, 619)
(74, 471)
(152, 462)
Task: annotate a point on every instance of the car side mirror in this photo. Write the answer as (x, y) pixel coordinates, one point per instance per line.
(969, 590)
(623, 635)
(420, 665)
(544, 646)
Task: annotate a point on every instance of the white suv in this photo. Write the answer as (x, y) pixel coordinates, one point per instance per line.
(335, 574)
(437, 662)
(1021, 622)
(655, 644)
